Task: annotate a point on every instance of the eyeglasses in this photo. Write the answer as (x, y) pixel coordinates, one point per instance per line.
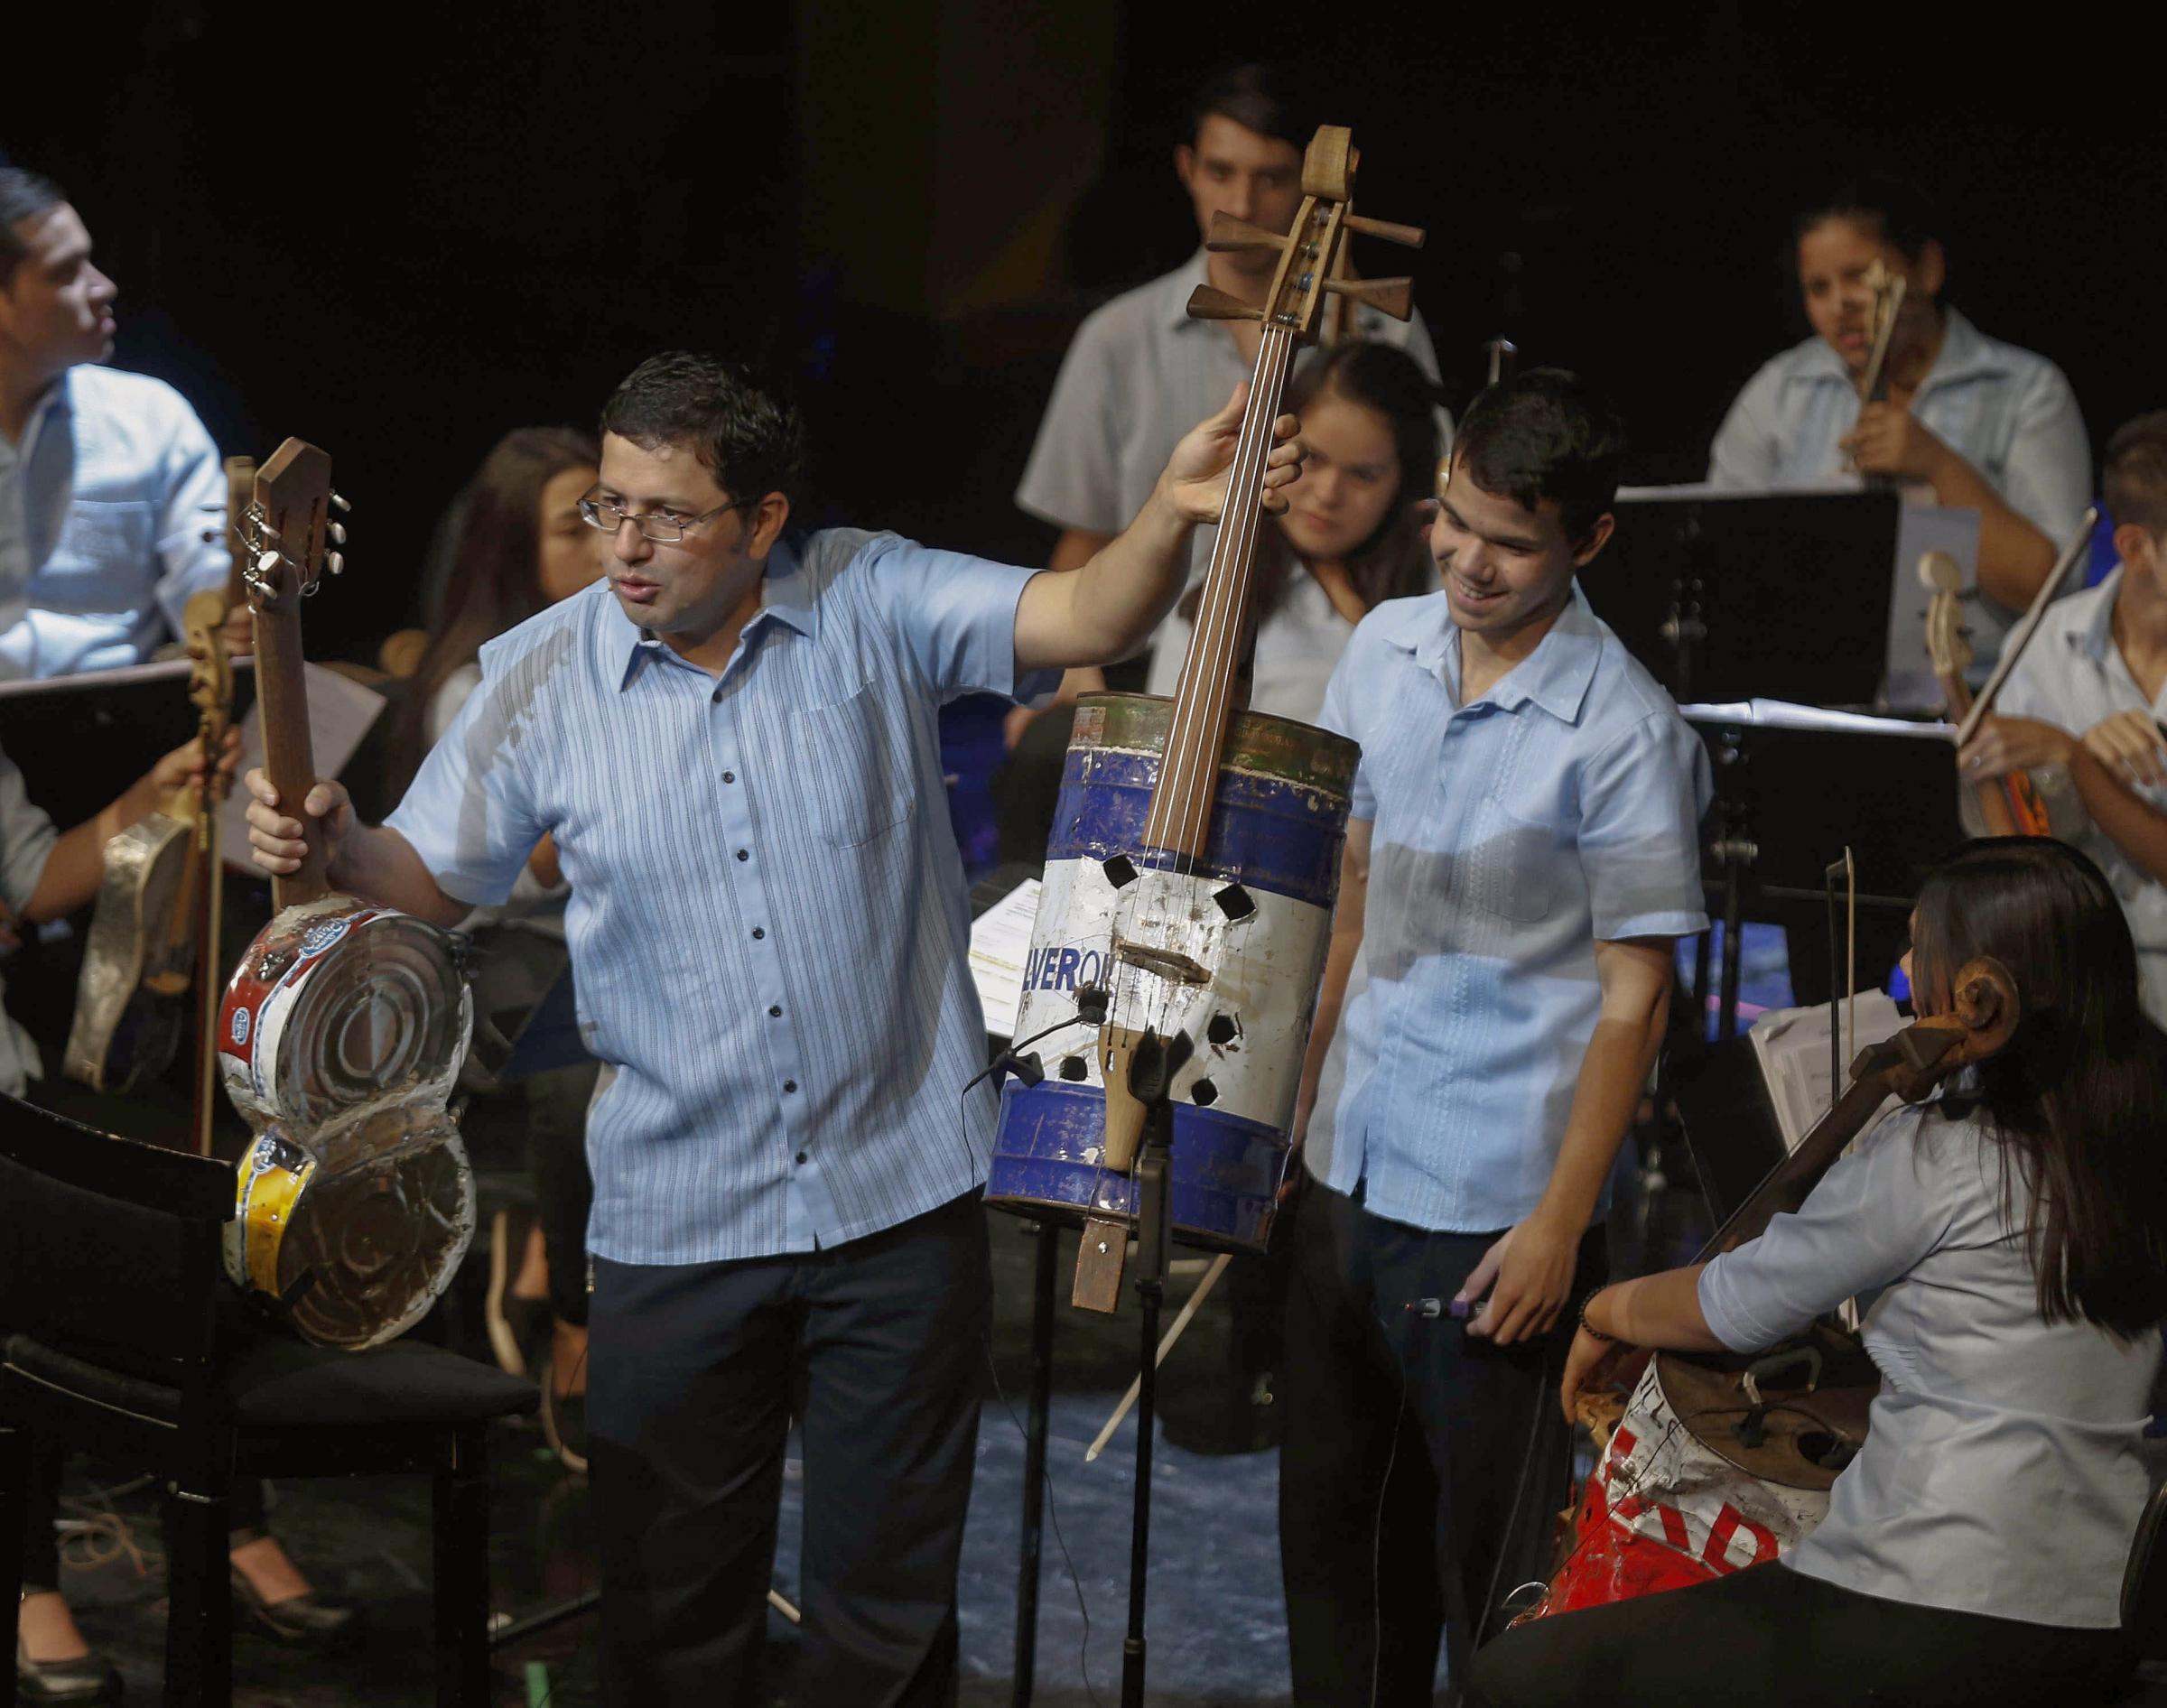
(658, 525)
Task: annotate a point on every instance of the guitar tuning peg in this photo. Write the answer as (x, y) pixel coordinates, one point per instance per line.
(267, 532)
(339, 502)
(338, 534)
(265, 562)
(335, 562)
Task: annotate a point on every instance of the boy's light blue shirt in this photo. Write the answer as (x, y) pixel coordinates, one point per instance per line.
(1509, 836)
(767, 922)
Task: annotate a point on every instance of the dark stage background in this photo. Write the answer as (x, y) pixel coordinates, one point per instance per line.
(401, 232)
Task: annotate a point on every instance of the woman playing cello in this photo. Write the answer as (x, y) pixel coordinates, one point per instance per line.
(2015, 1229)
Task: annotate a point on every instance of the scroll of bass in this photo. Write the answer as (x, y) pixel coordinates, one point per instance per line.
(154, 934)
(1764, 1435)
(1194, 856)
(345, 1023)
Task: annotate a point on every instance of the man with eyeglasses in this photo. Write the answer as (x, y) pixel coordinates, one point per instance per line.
(733, 740)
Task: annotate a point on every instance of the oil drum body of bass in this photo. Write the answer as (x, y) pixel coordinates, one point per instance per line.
(340, 1039)
(1230, 955)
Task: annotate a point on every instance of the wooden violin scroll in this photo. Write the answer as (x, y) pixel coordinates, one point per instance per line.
(288, 527)
(1888, 289)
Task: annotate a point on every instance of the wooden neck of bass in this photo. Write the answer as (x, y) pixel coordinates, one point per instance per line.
(282, 694)
(1179, 819)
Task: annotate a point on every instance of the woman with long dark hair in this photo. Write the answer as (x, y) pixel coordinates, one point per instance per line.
(520, 546)
(2013, 1233)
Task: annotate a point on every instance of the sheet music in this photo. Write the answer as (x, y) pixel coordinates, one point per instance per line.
(1001, 942)
(1791, 1045)
(340, 712)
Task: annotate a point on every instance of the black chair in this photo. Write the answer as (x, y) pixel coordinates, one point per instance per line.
(121, 1335)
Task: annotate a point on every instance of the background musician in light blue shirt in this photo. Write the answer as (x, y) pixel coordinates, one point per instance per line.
(108, 483)
(2013, 1237)
(1523, 853)
(734, 743)
(1986, 425)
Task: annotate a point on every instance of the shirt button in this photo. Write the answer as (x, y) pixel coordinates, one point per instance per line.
(758, 932)
(729, 776)
(789, 1085)
(800, 1159)
(744, 854)
(775, 1011)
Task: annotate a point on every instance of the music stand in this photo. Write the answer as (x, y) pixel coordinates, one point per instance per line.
(1723, 597)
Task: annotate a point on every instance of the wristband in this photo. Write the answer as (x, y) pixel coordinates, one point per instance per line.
(1590, 1328)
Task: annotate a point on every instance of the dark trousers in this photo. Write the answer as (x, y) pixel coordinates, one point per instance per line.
(1770, 1637)
(41, 1499)
(688, 1410)
(1373, 1571)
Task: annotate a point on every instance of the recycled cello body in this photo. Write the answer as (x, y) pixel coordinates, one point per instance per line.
(1278, 822)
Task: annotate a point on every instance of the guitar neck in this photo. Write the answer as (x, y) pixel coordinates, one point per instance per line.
(1179, 819)
(281, 697)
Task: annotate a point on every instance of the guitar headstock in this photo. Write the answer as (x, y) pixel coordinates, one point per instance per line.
(288, 528)
(1310, 254)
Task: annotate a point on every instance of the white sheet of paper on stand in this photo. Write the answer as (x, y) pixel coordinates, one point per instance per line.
(1000, 943)
(1791, 1045)
(340, 712)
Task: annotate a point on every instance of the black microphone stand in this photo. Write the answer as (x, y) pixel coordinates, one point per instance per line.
(1151, 1078)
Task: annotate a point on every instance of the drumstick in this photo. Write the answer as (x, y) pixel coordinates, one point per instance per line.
(1166, 1345)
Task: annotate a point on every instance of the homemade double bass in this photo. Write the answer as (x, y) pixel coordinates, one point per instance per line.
(154, 934)
(345, 1023)
(1722, 1462)
(1195, 857)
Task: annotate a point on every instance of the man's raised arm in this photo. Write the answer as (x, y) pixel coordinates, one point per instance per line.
(372, 861)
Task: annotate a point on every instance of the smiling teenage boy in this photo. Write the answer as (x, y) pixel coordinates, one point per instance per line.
(1522, 853)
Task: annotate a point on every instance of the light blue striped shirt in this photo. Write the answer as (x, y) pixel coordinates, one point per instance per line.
(1508, 837)
(768, 923)
(103, 509)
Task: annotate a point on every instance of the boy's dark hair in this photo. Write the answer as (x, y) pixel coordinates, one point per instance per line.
(2133, 478)
(1260, 98)
(744, 430)
(1543, 434)
(1892, 208)
(23, 195)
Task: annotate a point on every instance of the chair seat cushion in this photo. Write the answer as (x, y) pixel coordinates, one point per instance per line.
(271, 1382)
(275, 1383)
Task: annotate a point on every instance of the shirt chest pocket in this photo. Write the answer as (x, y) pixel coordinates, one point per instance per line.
(113, 542)
(856, 768)
(1509, 865)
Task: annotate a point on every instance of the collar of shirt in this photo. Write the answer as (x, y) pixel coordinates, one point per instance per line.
(1554, 676)
(1965, 354)
(54, 402)
(786, 597)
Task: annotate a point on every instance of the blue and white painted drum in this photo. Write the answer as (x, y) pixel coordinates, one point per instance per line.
(1231, 955)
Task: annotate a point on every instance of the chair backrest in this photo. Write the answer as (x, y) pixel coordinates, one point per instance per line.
(2145, 1583)
(110, 1249)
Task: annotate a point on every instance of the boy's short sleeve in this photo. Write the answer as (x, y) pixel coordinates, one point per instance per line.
(1642, 801)
(26, 840)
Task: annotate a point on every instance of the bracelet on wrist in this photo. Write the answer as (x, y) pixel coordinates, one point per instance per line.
(1590, 1328)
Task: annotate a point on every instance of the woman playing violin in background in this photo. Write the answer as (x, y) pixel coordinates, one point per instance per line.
(1988, 426)
(2088, 694)
(2015, 1229)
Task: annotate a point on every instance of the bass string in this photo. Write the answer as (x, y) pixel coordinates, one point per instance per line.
(1215, 643)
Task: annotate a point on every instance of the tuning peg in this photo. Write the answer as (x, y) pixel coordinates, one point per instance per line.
(1206, 303)
(265, 562)
(339, 502)
(1395, 297)
(1412, 237)
(1229, 234)
(338, 534)
(264, 531)
(335, 562)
